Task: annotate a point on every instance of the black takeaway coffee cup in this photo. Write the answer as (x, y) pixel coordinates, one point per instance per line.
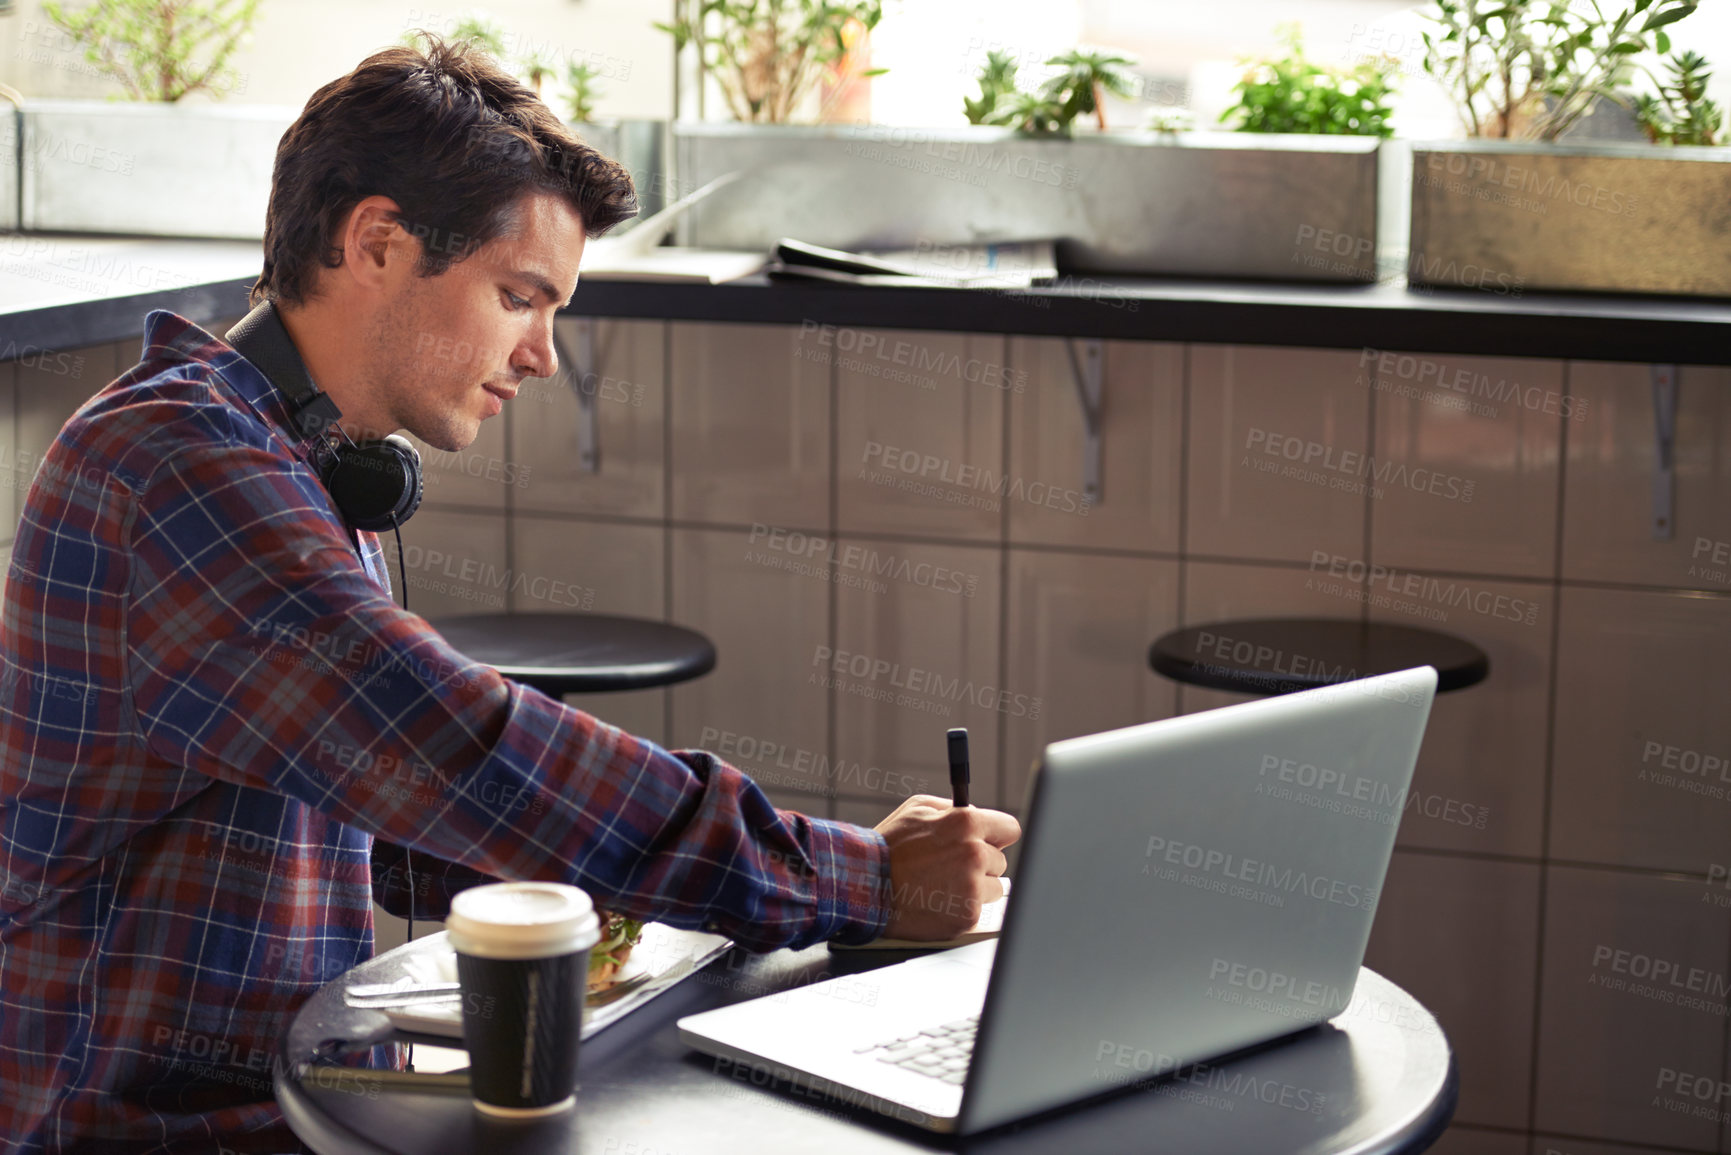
(523, 965)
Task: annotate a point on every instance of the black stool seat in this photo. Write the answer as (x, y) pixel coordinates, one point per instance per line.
(1282, 655)
(581, 653)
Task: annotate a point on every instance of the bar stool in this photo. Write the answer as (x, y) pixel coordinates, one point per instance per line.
(557, 654)
(1283, 655)
(562, 654)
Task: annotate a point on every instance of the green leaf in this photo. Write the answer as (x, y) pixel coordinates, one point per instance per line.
(1660, 19)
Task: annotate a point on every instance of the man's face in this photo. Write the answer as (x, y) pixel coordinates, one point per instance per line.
(448, 351)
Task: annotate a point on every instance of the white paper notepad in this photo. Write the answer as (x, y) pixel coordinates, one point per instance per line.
(991, 924)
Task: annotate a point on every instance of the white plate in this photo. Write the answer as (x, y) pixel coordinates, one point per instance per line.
(665, 953)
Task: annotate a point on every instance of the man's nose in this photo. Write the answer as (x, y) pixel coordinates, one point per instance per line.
(535, 356)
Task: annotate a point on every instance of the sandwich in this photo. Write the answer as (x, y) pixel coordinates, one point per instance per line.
(618, 935)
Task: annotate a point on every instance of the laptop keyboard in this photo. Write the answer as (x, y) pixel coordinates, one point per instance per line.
(943, 1052)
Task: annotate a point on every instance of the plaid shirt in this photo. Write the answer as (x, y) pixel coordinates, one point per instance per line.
(209, 705)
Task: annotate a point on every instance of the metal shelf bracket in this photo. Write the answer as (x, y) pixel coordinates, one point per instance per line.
(1088, 371)
(580, 369)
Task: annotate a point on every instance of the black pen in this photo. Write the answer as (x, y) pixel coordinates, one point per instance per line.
(959, 765)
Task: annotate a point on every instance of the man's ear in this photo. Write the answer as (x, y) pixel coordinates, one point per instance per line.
(373, 238)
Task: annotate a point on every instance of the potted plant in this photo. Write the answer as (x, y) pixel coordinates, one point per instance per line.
(1077, 89)
(1034, 164)
(1681, 112)
(161, 49)
(118, 165)
(769, 58)
(997, 86)
(583, 89)
(1293, 94)
(1519, 203)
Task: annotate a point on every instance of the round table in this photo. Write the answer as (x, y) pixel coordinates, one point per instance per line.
(563, 653)
(1380, 1078)
(1283, 655)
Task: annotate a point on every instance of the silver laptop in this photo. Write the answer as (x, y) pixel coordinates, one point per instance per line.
(1187, 888)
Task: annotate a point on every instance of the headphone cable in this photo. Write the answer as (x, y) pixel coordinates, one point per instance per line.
(408, 855)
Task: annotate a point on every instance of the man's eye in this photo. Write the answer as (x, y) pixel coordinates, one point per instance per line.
(516, 301)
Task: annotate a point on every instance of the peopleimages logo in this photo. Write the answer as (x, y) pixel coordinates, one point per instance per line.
(1315, 461)
(1689, 761)
(1717, 566)
(51, 147)
(1660, 979)
(922, 472)
(1355, 796)
(1227, 868)
(1488, 170)
(1119, 1063)
(1438, 383)
(1388, 585)
(1691, 1095)
(1275, 988)
(1335, 252)
(914, 355)
(757, 755)
(1266, 659)
(82, 265)
(924, 689)
(476, 465)
(1440, 271)
(836, 560)
(472, 572)
(47, 360)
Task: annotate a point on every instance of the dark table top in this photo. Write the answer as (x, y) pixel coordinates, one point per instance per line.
(1386, 315)
(45, 302)
(581, 653)
(1283, 655)
(1380, 1078)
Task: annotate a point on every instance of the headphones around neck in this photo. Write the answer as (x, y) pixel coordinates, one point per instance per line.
(375, 485)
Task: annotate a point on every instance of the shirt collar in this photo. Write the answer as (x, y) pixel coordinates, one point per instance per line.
(170, 337)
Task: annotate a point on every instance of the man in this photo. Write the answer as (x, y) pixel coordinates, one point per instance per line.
(210, 704)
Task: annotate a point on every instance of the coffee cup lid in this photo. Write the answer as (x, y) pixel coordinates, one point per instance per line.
(509, 920)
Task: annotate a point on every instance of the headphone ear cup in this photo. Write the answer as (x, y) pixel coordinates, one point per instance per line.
(377, 485)
(411, 458)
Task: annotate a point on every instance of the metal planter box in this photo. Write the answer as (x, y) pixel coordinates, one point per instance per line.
(149, 169)
(1196, 204)
(10, 118)
(1629, 218)
(640, 145)
(194, 170)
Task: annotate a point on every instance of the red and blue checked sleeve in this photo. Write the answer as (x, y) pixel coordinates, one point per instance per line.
(261, 653)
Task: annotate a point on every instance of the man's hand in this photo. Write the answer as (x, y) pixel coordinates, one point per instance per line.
(945, 862)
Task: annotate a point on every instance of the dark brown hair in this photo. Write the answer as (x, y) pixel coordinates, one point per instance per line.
(448, 135)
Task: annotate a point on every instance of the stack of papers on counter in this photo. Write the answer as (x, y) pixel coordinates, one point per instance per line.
(639, 254)
(672, 263)
(1007, 265)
